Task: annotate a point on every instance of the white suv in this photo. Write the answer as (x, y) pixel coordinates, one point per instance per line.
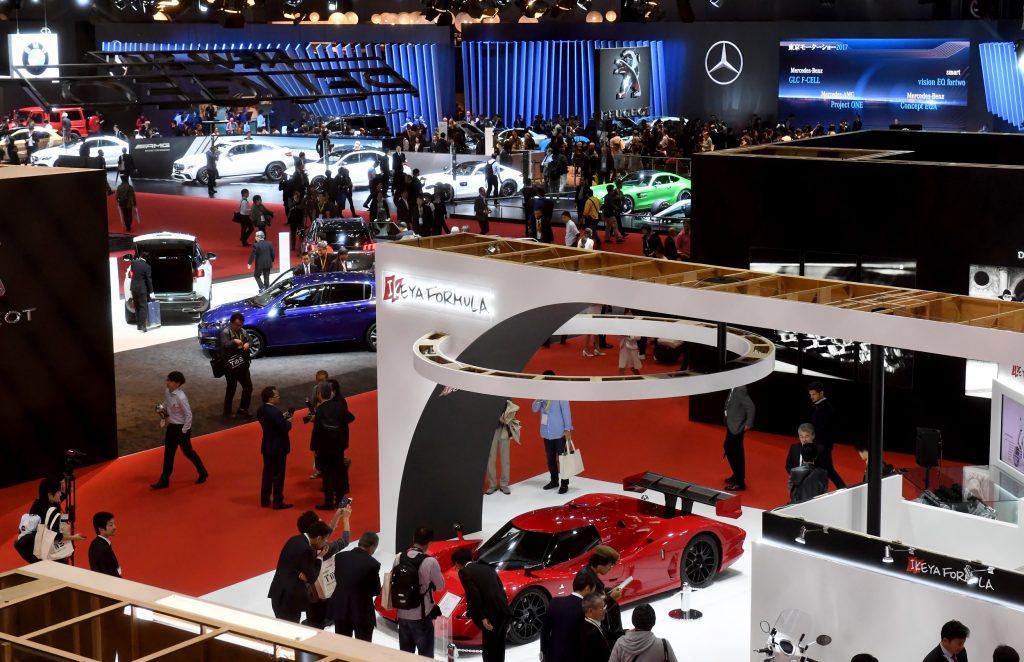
(242, 158)
(182, 274)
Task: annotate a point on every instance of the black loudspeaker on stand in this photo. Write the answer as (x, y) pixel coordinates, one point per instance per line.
(928, 451)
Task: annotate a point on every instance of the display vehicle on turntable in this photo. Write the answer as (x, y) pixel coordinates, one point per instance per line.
(465, 180)
(110, 145)
(357, 161)
(661, 217)
(43, 137)
(537, 554)
(182, 274)
(305, 309)
(238, 158)
(648, 189)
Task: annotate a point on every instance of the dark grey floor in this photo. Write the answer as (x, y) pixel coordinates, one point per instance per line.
(140, 376)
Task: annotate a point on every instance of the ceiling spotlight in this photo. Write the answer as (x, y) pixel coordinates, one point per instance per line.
(801, 539)
(532, 8)
(717, 4)
(202, 7)
(332, 6)
(1018, 48)
(650, 11)
(887, 557)
(585, 5)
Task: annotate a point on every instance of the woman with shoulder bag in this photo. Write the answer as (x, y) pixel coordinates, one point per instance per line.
(47, 507)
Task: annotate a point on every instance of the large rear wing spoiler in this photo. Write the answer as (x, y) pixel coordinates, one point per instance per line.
(725, 503)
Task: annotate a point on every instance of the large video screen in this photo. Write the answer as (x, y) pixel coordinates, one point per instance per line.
(1011, 449)
(885, 81)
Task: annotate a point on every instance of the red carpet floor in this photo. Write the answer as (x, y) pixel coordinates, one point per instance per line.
(210, 221)
(198, 538)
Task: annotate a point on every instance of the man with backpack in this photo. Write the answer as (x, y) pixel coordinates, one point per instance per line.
(491, 176)
(414, 577)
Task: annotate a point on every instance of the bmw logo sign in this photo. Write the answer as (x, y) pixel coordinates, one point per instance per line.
(35, 58)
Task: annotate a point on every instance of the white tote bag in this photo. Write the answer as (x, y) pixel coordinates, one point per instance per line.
(46, 547)
(326, 582)
(570, 463)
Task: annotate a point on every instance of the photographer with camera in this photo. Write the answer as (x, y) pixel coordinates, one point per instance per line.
(275, 447)
(176, 419)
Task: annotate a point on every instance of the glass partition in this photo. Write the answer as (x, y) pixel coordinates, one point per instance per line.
(36, 613)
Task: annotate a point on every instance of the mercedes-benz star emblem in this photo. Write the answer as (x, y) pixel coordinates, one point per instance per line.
(724, 62)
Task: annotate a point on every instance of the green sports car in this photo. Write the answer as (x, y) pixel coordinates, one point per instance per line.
(648, 189)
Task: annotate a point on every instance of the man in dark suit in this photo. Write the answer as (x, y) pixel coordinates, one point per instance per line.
(125, 164)
(739, 417)
(358, 577)
(141, 289)
(297, 567)
(101, 553)
(486, 603)
(825, 432)
(805, 434)
(482, 211)
(951, 647)
(560, 633)
(323, 261)
(593, 644)
(263, 256)
(275, 447)
(397, 170)
(305, 266)
(403, 212)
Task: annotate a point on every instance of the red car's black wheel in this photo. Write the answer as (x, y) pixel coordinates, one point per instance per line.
(528, 610)
(699, 565)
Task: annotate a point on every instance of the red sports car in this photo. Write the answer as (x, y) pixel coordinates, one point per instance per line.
(538, 554)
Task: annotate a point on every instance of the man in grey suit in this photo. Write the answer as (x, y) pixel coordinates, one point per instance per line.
(739, 417)
(141, 288)
(263, 256)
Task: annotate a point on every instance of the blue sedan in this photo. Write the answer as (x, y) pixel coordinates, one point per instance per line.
(301, 310)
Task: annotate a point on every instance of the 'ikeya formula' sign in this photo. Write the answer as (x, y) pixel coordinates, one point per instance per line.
(436, 294)
(979, 577)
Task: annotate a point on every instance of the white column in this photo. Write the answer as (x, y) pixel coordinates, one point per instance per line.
(284, 251)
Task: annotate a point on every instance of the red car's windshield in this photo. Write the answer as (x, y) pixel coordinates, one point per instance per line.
(512, 548)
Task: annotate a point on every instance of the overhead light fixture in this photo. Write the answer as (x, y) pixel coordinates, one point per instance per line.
(717, 4)
(585, 5)
(887, 557)
(801, 538)
(332, 6)
(1018, 48)
(532, 8)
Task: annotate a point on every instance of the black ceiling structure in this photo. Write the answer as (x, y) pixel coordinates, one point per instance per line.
(172, 78)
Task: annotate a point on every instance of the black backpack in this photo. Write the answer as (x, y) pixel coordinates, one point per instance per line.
(405, 582)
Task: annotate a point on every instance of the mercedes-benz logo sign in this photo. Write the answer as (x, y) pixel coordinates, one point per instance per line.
(724, 62)
(35, 58)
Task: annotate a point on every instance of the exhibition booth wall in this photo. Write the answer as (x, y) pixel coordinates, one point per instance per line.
(930, 223)
(495, 55)
(892, 616)
(494, 311)
(57, 366)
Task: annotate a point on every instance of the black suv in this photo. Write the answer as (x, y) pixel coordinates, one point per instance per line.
(352, 233)
(371, 125)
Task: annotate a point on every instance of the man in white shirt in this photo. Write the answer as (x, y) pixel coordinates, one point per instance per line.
(176, 419)
(572, 231)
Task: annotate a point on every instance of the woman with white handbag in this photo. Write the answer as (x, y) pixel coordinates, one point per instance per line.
(53, 535)
(556, 431)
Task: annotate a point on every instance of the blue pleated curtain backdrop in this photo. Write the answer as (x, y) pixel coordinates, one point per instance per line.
(547, 77)
(415, 62)
(1004, 82)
